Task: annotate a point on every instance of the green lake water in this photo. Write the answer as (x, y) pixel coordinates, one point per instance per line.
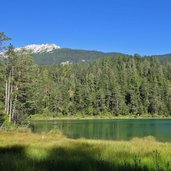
(108, 129)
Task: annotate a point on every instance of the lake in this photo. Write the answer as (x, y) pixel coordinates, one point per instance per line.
(108, 129)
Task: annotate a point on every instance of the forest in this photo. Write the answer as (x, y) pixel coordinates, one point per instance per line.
(119, 85)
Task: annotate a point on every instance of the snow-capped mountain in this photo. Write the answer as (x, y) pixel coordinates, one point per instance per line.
(43, 48)
(48, 54)
(54, 54)
(35, 49)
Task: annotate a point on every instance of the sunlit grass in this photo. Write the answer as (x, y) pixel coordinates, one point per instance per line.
(53, 151)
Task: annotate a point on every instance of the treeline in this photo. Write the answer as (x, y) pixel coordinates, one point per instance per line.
(119, 85)
(116, 85)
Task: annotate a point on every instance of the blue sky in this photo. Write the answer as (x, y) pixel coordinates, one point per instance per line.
(128, 26)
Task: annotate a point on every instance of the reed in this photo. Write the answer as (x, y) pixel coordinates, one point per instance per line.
(24, 151)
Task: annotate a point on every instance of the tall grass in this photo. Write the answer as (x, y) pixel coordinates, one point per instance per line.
(46, 152)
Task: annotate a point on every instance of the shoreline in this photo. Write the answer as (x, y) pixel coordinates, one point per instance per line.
(98, 117)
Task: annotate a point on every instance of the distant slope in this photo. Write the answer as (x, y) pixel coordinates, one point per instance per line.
(1, 58)
(48, 54)
(70, 55)
(66, 55)
(165, 57)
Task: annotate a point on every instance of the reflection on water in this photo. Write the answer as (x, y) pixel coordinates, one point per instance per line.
(123, 129)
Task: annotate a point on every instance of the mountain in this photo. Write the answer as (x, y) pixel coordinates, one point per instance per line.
(165, 57)
(64, 56)
(54, 54)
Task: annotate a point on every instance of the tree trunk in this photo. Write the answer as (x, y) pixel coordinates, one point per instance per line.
(13, 115)
(11, 104)
(6, 94)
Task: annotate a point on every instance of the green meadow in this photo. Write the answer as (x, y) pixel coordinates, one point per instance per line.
(25, 151)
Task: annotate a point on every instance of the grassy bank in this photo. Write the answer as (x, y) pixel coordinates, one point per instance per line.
(45, 152)
(53, 116)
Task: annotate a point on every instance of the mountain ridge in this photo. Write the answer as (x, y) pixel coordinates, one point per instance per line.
(47, 54)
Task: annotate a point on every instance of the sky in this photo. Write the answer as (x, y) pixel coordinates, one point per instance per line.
(127, 26)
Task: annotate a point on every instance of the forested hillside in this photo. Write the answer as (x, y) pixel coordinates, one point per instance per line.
(116, 85)
(63, 55)
(166, 57)
(60, 55)
(49, 54)
(119, 85)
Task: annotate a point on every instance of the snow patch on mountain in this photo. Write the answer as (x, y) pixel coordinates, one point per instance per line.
(34, 48)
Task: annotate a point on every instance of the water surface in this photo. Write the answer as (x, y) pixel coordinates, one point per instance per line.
(108, 129)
